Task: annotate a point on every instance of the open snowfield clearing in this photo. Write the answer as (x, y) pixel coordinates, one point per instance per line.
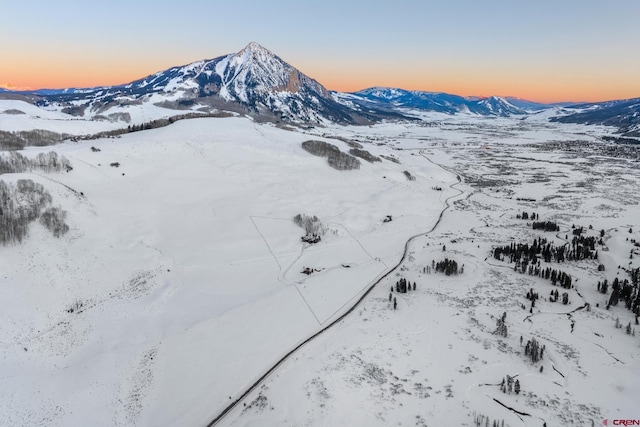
(184, 266)
(437, 359)
(180, 282)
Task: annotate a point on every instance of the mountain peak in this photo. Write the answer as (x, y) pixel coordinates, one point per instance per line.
(254, 47)
(255, 51)
(253, 80)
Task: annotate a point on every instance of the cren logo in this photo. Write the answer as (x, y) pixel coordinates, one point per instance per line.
(605, 422)
(623, 422)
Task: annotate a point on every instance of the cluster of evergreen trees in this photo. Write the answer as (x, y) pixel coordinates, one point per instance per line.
(509, 386)
(501, 326)
(148, 125)
(533, 350)
(532, 296)
(40, 137)
(555, 295)
(546, 226)
(557, 277)
(403, 285)
(603, 287)
(14, 162)
(23, 203)
(624, 290)
(525, 215)
(481, 420)
(580, 248)
(158, 123)
(447, 266)
(526, 257)
(629, 330)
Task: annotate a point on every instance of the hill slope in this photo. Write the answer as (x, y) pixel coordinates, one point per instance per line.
(623, 114)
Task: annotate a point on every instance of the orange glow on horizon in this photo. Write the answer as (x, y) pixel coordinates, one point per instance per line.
(530, 93)
(544, 90)
(463, 84)
(29, 81)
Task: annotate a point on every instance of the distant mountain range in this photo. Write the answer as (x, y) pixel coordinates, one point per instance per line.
(404, 100)
(623, 114)
(257, 83)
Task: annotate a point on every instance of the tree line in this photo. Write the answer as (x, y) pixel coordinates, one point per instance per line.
(447, 266)
(525, 215)
(10, 141)
(580, 248)
(624, 290)
(403, 285)
(14, 162)
(336, 158)
(24, 202)
(545, 225)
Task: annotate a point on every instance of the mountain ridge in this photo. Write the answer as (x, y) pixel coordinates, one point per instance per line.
(623, 114)
(438, 101)
(256, 82)
(253, 82)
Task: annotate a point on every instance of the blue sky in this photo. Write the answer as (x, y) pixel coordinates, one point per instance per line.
(542, 50)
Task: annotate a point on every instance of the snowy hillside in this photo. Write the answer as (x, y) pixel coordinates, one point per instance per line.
(178, 263)
(183, 277)
(623, 114)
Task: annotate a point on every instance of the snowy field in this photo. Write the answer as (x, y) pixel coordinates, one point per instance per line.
(187, 266)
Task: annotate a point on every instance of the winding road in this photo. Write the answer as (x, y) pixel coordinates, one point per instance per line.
(235, 402)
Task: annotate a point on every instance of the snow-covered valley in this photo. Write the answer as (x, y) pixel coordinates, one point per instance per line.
(184, 269)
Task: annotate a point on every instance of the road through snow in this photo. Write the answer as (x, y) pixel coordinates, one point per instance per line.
(235, 402)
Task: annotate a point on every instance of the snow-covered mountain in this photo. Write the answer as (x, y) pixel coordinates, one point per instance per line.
(258, 83)
(434, 101)
(527, 105)
(623, 114)
(253, 81)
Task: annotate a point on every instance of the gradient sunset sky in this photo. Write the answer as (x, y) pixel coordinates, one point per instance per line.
(542, 50)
